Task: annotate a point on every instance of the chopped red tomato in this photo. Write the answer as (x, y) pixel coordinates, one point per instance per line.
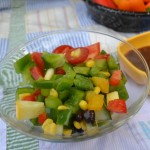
(42, 118)
(60, 70)
(37, 58)
(37, 92)
(29, 98)
(36, 72)
(62, 49)
(105, 56)
(94, 50)
(115, 78)
(77, 55)
(117, 105)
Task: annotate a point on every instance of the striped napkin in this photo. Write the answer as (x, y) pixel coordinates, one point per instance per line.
(22, 20)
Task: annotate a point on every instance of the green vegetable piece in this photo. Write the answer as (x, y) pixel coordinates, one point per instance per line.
(122, 91)
(94, 71)
(44, 84)
(103, 52)
(52, 102)
(35, 121)
(52, 113)
(70, 73)
(101, 64)
(74, 99)
(64, 83)
(81, 70)
(64, 116)
(27, 74)
(40, 98)
(21, 63)
(63, 95)
(83, 83)
(112, 64)
(56, 76)
(124, 79)
(45, 92)
(53, 60)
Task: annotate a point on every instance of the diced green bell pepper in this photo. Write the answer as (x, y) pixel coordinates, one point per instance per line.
(43, 84)
(52, 113)
(122, 91)
(63, 83)
(35, 121)
(101, 64)
(112, 63)
(81, 70)
(27, 74)
(103, 52)
(40, 98)
(83, 83)
(45, 92)
(52, 102)
(63, 95)
(94, 71)
(21, 63)
(64, 116)
(74, 99)
(53, 60)
(70, 73)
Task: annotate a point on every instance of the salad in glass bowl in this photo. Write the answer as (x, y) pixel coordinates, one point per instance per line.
(69, 86)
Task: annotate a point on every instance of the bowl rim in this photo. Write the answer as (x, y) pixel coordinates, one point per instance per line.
(66, 140)
(99, 7)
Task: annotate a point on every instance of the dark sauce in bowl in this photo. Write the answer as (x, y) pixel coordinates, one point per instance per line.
(134, 58)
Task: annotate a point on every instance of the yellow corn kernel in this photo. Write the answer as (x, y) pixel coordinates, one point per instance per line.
(62, 107)
(83, 105)
(90, 63)
(77, 125)
(46, 129)
(97, 90)
(53, 92)
(67, 132)
(52, 129)
(47, 122)
(83, 125)
(107, 74)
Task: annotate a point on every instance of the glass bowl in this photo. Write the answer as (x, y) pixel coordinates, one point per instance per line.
(122, 21)
(9, 81)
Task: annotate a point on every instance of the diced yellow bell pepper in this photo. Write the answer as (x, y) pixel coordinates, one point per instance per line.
(96, 102)
(102, 83)
(89, 95)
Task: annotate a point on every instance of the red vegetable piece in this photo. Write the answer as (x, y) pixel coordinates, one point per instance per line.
(36, 72)
(115, 78)
(37, 92)
(37, 58)
(77, 55)
(94, 50)
(62, 49)
(60, 70)
(117, 105)
(105, 56)
(41, 118)
(29, 98)
(106, 3)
